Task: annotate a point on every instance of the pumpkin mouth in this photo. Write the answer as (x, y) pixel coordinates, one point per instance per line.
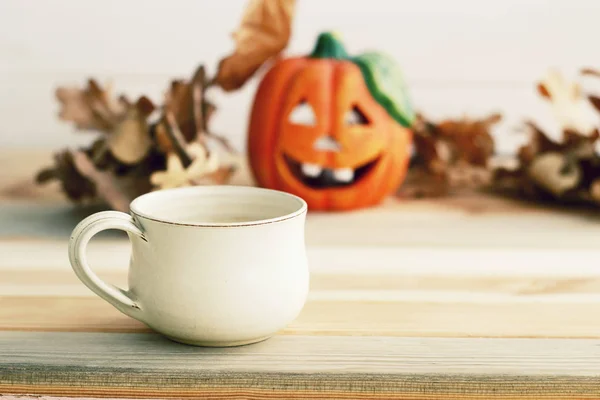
(317, 177)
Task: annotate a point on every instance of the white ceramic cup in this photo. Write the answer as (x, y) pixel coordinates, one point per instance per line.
(210, 265)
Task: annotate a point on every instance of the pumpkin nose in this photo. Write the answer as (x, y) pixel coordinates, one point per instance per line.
(327, 143)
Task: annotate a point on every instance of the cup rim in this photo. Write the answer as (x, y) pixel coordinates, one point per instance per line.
(301, 209)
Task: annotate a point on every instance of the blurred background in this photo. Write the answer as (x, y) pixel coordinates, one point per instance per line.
(459, 57)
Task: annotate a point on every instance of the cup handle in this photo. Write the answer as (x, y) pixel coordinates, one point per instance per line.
(121, 299)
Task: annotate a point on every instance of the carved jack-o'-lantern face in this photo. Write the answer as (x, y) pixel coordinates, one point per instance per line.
(317, 131)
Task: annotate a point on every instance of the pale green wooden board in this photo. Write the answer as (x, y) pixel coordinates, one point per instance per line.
(483, 367)
(414, 226)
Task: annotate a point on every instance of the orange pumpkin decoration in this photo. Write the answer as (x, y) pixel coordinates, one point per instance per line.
(327, 128)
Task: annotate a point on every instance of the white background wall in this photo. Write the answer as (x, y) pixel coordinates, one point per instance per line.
(459, 56)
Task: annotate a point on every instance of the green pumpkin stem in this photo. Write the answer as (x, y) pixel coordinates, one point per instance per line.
(328, 46)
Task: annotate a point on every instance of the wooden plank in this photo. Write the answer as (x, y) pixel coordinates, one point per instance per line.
(30, 283)
(306, 388)
(354, 291)
(113, 255)
(416, 318)
(30, 397)
(448, 222)
(149, 365)
(36, 397)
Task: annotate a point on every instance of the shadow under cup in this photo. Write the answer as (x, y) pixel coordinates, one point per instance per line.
(218, 206)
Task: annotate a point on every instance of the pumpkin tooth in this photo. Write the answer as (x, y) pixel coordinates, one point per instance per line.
(311, 170)
(343, 174)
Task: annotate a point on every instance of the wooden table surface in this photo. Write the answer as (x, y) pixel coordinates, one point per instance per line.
(470, 297)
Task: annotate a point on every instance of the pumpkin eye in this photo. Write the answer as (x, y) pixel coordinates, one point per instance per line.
(355, 116)
(303, 114)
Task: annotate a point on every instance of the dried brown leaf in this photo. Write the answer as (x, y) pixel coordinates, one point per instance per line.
(471, 140)
(590, 71)
(105, 183)
(508, 178)
(580, 146)
(548, 170)
(539, 143)
(163, 140)
(46, 175)
(75, 185)
(198, 86)
(450, 155)
(554, 172)
(263, 33)
(595, 190)
(425, 143)
(595, 102)
(464, 175)
(190, 109)
(145, 106)
(178, 102)
(91, 108)
(421, 183)
(177, 142)
(543, 91)
(130, 141)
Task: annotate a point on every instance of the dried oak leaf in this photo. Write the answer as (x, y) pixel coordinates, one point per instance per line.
(91, 108)
(590, 172)
(590, 71)
(464, 175)
(105, 183)
(130, 140)
(428, 153)
(452, 141)
(508, 178)
(595, 190)
(471, 139)
(263, 33)
(176, 175)
(191, 111)
(580, 146)
(554, 172)
(452, 154)
(421, 183)
(178, 101)
(75, 185)
(539, 142)
(594, 100)
(566, 100)
(543, 91)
